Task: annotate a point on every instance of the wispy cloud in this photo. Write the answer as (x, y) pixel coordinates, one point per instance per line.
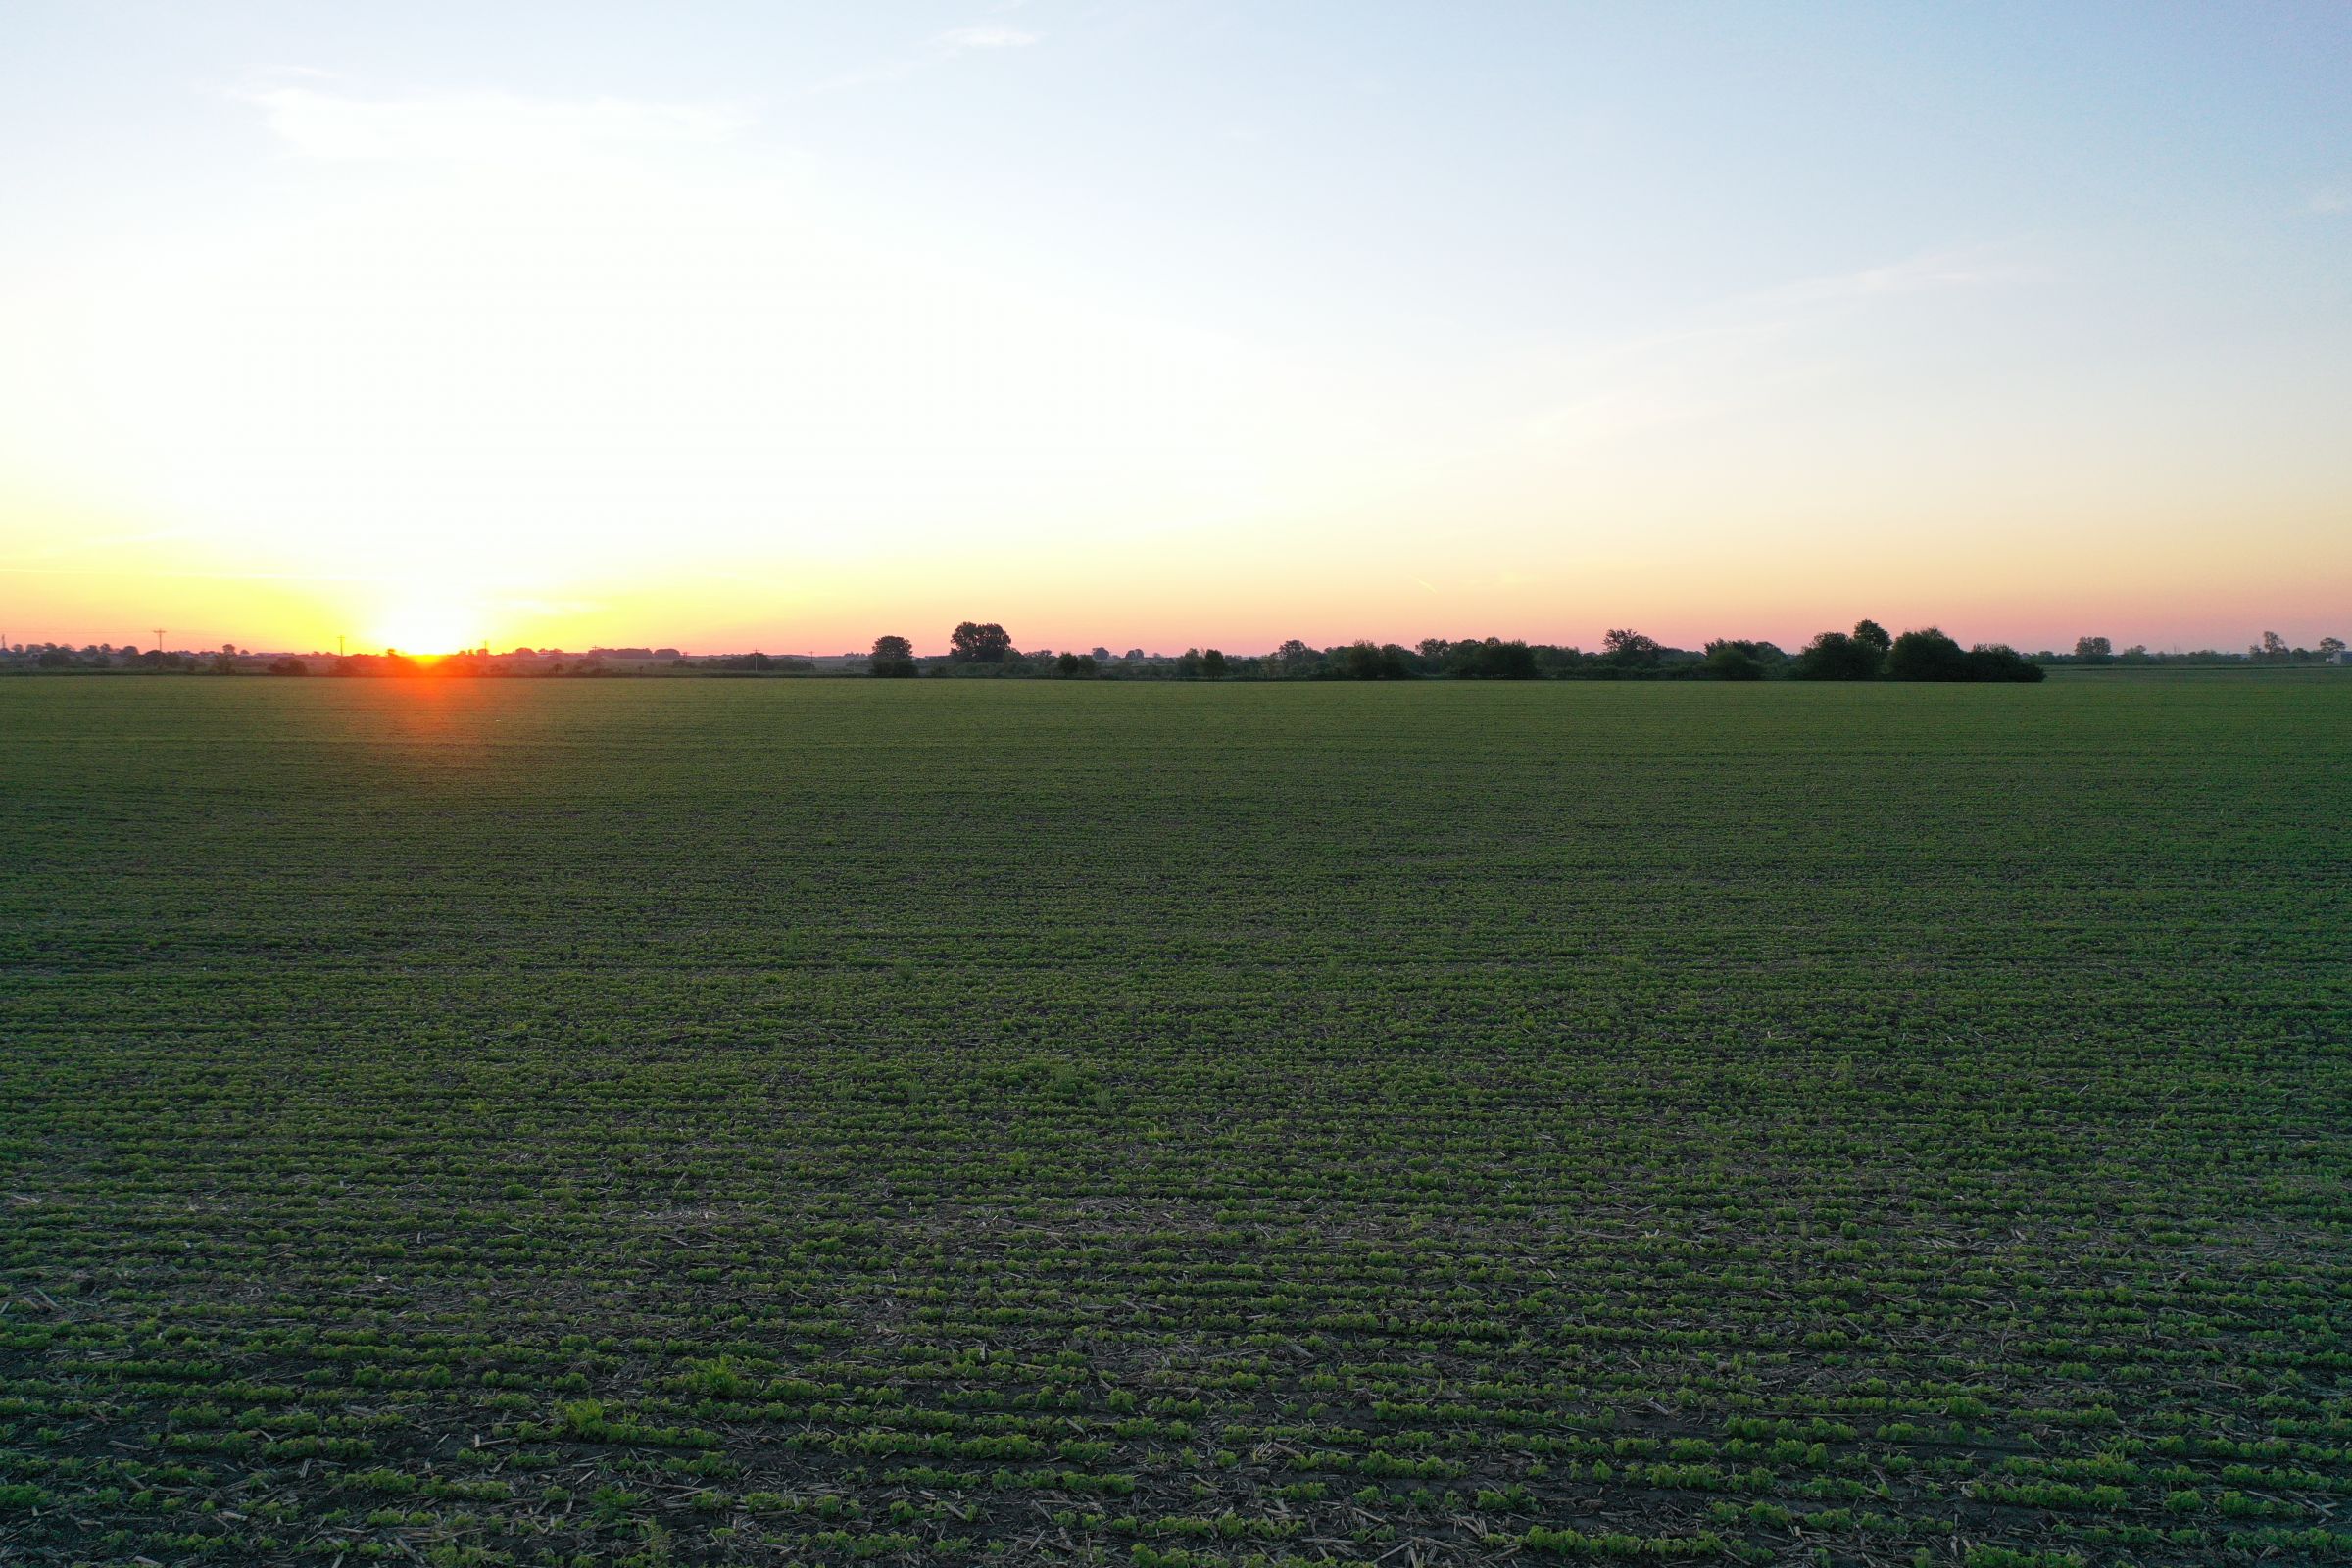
(980, 37)
(480, 127)
(2329, 201)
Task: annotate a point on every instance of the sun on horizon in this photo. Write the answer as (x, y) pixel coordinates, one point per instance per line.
(426, 630)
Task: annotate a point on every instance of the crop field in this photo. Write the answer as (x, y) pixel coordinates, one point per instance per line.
(634, 1122)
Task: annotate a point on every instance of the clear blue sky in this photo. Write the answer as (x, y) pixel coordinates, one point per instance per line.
(1331, 320)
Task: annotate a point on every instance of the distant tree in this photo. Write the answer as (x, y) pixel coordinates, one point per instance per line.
(1869, 634)
(1621, 645)
(288, 665)
(974, 643)
(1293, 659)
(1834, 656)
(1368, 661)
(2093, 649)
(1998, 662)
(1433, 649)
(1076, 666)
(1188, 665)
(2274, 647)
(1927, 654)
(1488, 658)
(2332, 647)
(1731, 661)
(1212, 664)
(892, 657)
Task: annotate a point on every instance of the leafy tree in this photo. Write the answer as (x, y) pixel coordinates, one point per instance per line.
(2330, 647)
(1212, 664)
(1077, 667)
(1188, 665)
(1731, 661)
(1622, 645)
(974, 643)
(1368, 661)
(1835, 655)
(1293, 659)
(2093, 649)
(1489, 659)
(288, 667)
(1869, 634)
(1927, 654)
(1998, 662)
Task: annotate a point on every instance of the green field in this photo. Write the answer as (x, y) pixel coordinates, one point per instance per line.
(821, 1122)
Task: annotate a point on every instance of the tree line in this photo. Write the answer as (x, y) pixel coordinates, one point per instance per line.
(985, 649)
(1867, 653)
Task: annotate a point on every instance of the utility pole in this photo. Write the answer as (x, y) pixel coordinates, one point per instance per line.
(338, 645)
(159, 639)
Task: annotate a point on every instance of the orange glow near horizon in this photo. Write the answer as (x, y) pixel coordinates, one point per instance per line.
(429, 631)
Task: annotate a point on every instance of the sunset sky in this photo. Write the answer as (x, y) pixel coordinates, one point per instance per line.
(1172, 321)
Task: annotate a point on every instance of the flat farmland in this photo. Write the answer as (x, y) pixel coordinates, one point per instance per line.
(636, 1122)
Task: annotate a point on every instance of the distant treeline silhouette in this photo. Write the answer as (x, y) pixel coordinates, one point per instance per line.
(984, 650)
(1867, 653)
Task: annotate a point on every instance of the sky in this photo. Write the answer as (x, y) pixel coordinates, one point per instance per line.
(1173, 323)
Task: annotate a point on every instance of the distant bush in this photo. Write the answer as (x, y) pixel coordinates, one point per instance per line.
(1997, 661)
(1836, 655)
(1929, 654)
(1489, 659)
(1731, 661)
(1366, 661)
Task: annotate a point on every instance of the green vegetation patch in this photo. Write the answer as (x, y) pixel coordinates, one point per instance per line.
(946, 1123)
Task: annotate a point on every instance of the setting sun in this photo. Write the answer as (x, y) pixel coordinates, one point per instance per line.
(426, 629)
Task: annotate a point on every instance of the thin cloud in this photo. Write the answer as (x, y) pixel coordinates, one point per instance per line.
(480, 127)
(2330, 201)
